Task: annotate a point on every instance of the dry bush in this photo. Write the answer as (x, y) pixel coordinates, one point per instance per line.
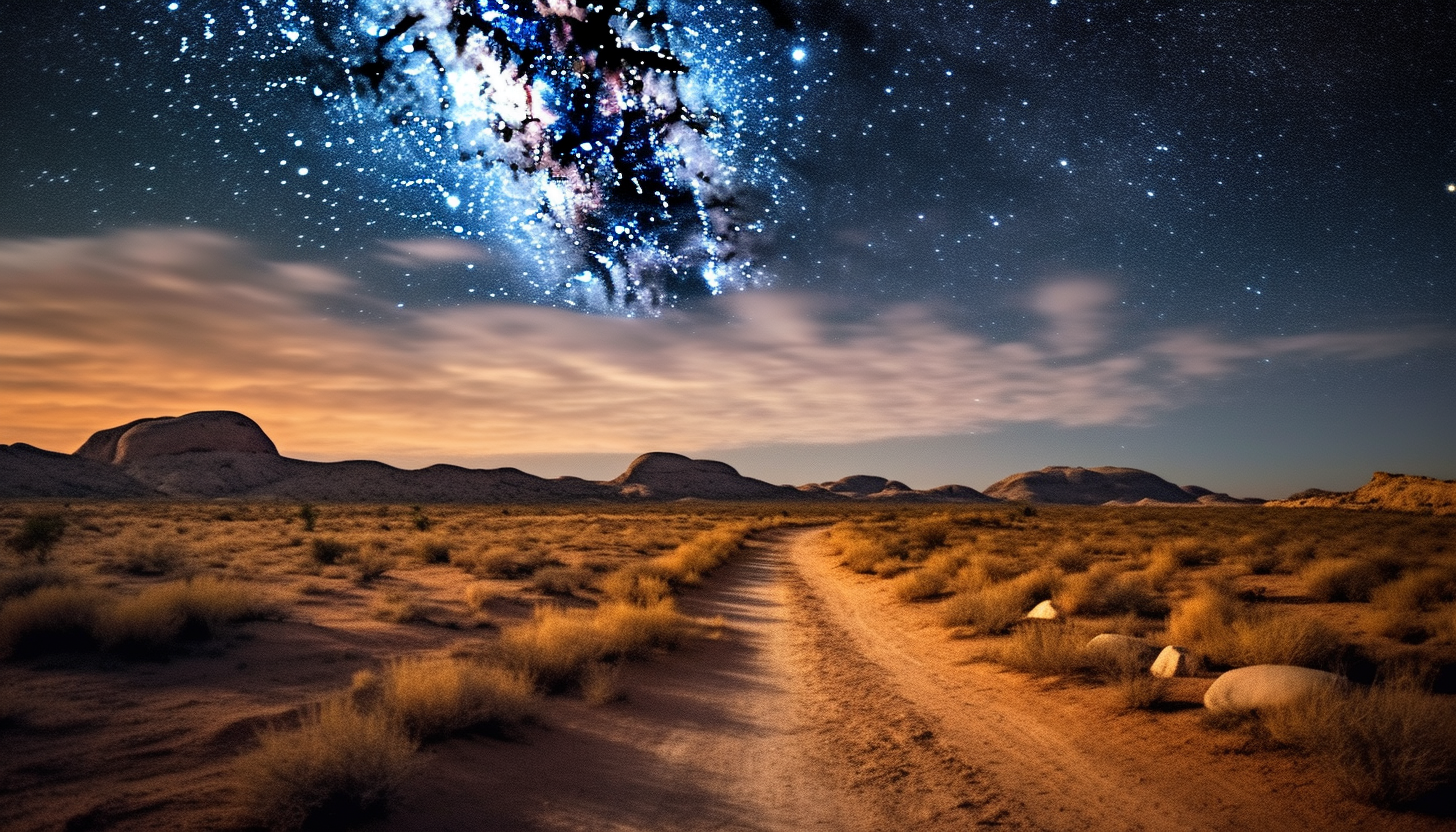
(634, 586)
(1403, 609)
(51, 618)
(862, 554)
(1141, 690)
(139, 555)
(1388, 744)
(1107, 589)
(557, 646)
(29, 578)
(162, 614)
(1341, 579)
(561, 580)
(339, 764)
(1047, 648)
(996, 607)
(478, 595)
(502, 563)
(431, 551)
(1230, 632)
(368, 564)
(397, 608)
(690, 561)
(1071, 556)
(328, 551)
(601, 682)
(434, 696)
(38, 535)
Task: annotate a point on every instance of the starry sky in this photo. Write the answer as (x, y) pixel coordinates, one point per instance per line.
(941, 242)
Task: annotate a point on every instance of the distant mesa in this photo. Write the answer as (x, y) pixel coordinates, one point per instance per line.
(1101, 486)
(666, 476)
(208, 431)
(1384, 492)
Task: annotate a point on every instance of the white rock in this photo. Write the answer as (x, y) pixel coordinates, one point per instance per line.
(1122, 649)
(1044, 611)
(1265, 686)
(1173, 661)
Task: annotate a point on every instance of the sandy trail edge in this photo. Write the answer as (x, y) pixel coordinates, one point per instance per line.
(1066, 753)
(826, 704)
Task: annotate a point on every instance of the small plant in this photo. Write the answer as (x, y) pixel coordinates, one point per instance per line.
(1047, 648)
(1341, 579)
(51, 618)
(560, 580)
(37, 536)
(432, 551)
(139, 555)
(340, 763)
(309, 515)
(436, 696)
(478, 595)
(397, 608)
(328, 550)
(418, 518)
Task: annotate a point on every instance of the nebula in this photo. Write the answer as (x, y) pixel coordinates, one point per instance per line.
(619, 146)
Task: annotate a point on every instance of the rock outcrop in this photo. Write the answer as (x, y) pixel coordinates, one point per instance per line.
(205, 431)
(1263, 686)
(1102, 486)
(27, 471)
(665, 476)
(1384, 492)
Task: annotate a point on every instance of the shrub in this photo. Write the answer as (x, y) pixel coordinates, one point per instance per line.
(690, 561)
(27, 579)
(920, 584)
(560, 580)
(1341, 579)
(499, 563)
(634, 586)
(432, 551)
(309, 515)
(1047, 648)
(329, 550)
(601, 683)
(1070, 556)
(49, 619)
(998, 606)
(1107, 590)
(1389, 745)
(162, 614)
(1230, 632)
(369, 564)
(340, 763)
(147, 556)
(397, 608)
(38, 535)
(478, 595)
(557, 646)
(435, 696)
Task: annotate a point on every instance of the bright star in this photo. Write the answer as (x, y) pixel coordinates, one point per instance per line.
(799, 54)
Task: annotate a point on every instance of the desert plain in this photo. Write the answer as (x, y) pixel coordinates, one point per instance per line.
(232, 664)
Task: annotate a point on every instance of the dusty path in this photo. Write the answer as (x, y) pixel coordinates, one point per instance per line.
(827, 705)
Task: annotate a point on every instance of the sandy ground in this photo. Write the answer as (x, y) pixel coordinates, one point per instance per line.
(828, 705)
(824, 704)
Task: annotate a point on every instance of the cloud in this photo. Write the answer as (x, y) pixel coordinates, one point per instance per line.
(427, 251)
(95, 332)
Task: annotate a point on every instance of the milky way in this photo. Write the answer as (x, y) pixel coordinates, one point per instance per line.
(622, 148)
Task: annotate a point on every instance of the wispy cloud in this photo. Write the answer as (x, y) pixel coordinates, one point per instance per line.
(427, 251)
(98, 331)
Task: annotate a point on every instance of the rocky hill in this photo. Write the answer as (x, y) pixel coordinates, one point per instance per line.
(1101, 486)
(1384, 492)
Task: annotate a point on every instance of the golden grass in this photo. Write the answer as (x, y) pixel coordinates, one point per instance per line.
(1047, 648)
(1108, 589)
(340, 763)
(434, 696)
(51, 618)
(1230, 632)
(997, 606)
(1342, 579)
(1388, 744)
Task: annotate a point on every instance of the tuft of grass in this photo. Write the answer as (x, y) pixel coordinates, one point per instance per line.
(601, 683)
(557, 646)
(1071, 557)
(1230, 632)
(1047, 648)
(1388, 744)
(634, 586)
(51, 618)
(29, 578)
(500, 563)
(561, 580)
(1106, 589)
(368, 564)
(397, 608)
(139, 555)
(309, 515)
(340, 763)
(162, 614)
(435, 696)
(694, 559)
(997, 606)
(38, 535)
(432, 551)
(1341, 579)
(327, 551)
(478, 595)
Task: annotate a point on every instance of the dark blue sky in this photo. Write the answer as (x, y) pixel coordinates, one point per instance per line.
(1245, 170)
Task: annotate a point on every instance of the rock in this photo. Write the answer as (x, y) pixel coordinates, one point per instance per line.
(1044, 612)
(203, 431)
(1122, 649)
(1173, 661)
(1265, 686)
(665, 476)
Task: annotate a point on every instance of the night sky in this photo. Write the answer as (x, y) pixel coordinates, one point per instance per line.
(941, 242)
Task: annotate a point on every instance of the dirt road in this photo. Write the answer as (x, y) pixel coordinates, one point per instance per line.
(827, 705)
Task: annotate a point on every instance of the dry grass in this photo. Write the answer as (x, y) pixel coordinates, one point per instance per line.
(340, 763)
(435, 696)
(1107, 589)
(51, 619)
(1342, 579)
(997, 606)
(1047, 648)
(557, 646)
(1388, 744)
(1230, 632)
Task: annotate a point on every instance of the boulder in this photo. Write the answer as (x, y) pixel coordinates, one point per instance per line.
(1044, 612)
(204, 431)
(1122, 650)
(1265, 686)
(1173, 661)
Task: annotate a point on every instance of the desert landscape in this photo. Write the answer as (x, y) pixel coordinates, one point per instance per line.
(687, 648)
